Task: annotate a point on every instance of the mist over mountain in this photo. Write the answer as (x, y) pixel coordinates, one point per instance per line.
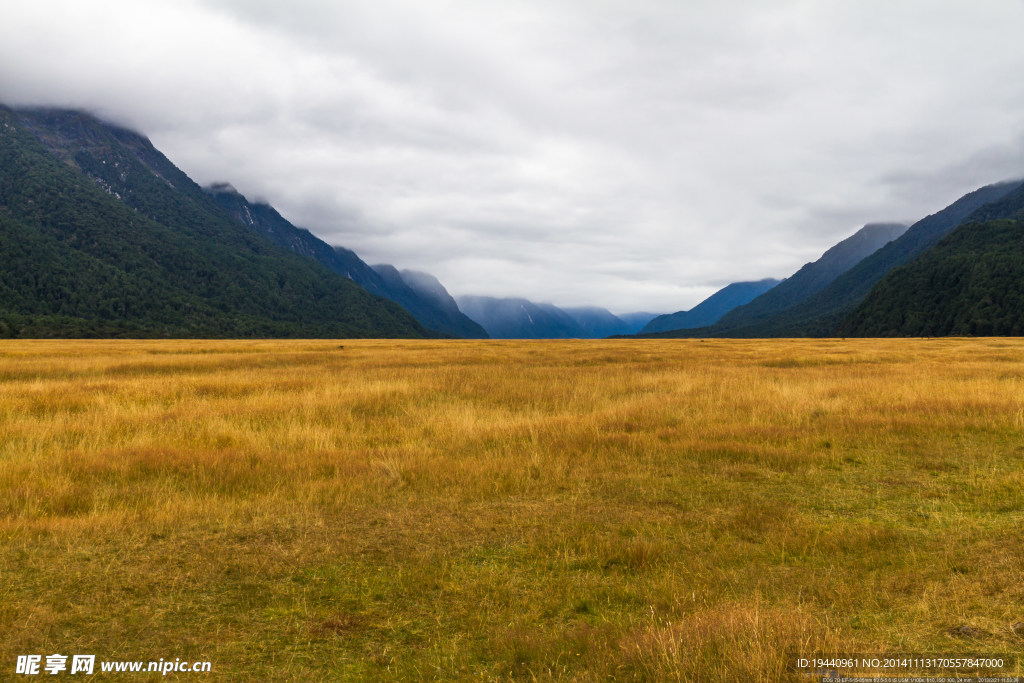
(423, 295)
(1008, 206)
(970, 283)
(430, 311)
(746, 303)
(636, 321)
(596, 322)
(511, 318)
(713, 308)
(103, 236)
(815, 276)
(820, 314)
(430, 289)
(516, 318)
(266, 221)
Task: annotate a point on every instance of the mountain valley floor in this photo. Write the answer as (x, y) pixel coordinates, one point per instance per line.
(654, 509)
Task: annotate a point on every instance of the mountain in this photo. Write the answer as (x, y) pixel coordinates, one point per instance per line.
(820, 314)
(266, 221)
(636, 321)
(1010, 205)
(101, 235)
(709, 311)
(520, 319)
(971, 283)
(815, 276)
(426, 298)
(430, 289)
(597, 323)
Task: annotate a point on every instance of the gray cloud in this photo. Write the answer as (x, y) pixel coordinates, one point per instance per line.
(634, 155)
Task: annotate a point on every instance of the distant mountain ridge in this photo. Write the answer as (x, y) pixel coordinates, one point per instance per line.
(430, 289)
(266, 221)
(815, 276)
(709, 311)
(636, 321)
(101, 235)
(596, 322)
(516, 318)
(426, 298)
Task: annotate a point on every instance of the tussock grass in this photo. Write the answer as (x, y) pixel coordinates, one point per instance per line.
(627, 510)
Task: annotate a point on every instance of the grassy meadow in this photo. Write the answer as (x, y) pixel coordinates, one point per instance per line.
(599, 510)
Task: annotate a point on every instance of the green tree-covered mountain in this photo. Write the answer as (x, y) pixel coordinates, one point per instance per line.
(101, 235)
(970, 284)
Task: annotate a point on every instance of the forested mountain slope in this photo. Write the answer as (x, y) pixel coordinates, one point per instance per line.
(101, 235)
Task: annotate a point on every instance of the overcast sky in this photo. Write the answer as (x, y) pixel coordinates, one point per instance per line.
(633, 154)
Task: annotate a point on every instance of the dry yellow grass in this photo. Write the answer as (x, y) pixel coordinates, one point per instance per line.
(629, 510)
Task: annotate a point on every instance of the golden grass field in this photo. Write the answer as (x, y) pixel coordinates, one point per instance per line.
(601, 510)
